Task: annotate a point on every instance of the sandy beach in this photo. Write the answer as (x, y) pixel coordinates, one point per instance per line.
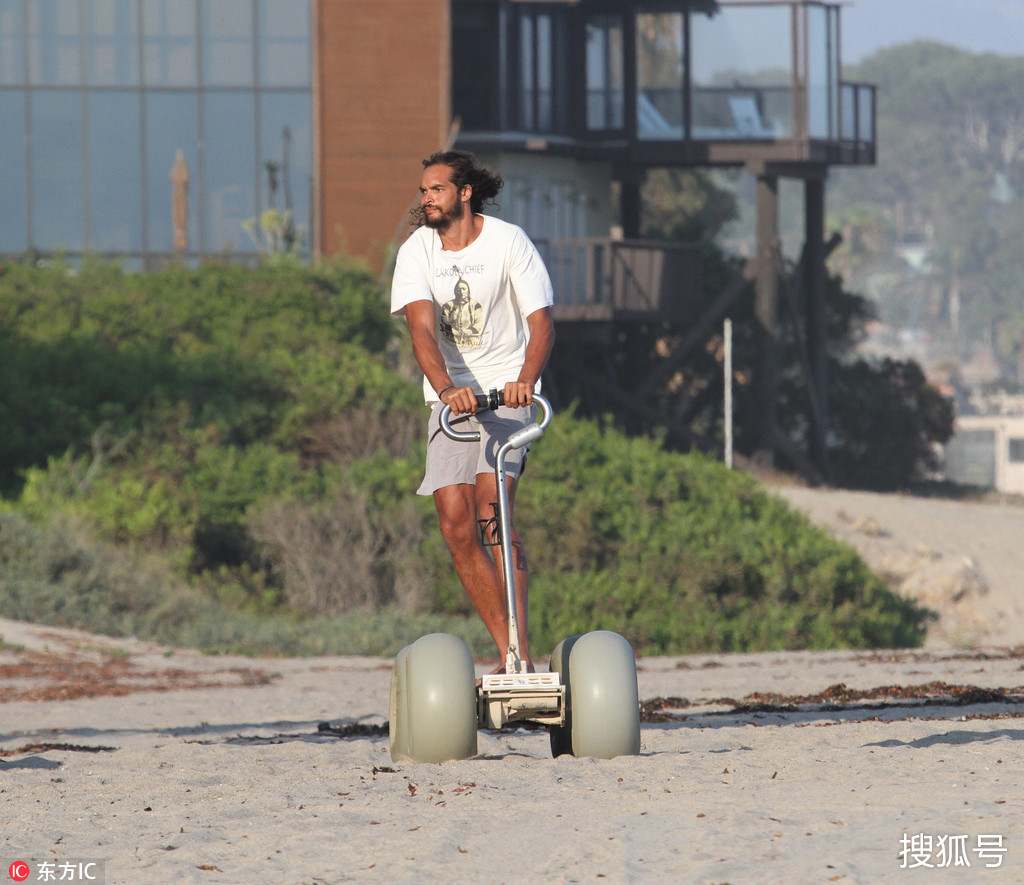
(166, 766)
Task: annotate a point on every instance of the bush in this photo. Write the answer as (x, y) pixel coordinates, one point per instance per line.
(241, 356)
(64, 578)
(885, 422)
(680, 554)
(164, 408)
(343, 555)
(244, 434)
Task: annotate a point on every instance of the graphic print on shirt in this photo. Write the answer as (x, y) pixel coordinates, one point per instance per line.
(462, 317)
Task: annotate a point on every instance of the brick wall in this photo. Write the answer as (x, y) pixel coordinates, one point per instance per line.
(381, 103)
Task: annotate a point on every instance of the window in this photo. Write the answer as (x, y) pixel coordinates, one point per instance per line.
(112, 49)
(229, 198)
(660, 61)
(13, 174)
(58, 181)
(284, 49)
(227, 43)
(172, 124)
(12, 43)
(822, 71)
(1016, 444)
(510, 68)
(476, 72)
(536, 71)
(54, 50)
(114, 165)
(742, 72)
(169, 30)
(286, 147)
(605, 84)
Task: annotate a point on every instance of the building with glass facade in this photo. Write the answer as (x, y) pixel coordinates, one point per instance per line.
(114, 110)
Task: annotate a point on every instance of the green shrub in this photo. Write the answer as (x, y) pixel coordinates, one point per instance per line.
(64, 578)
(243, 355)
(163, 407)
(680, 554)
(885, 422)
(244, 434)
(61, 576)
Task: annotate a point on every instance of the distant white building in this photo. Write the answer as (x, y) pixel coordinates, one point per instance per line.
(987, 451)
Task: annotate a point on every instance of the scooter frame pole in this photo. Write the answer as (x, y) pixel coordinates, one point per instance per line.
(513, 657)
(524, 436)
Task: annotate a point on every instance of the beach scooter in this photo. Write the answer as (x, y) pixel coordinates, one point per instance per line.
(588, 700)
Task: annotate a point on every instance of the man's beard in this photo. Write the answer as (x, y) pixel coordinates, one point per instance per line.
(443, 221)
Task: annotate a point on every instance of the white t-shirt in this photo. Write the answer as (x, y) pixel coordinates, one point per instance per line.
(482, 296)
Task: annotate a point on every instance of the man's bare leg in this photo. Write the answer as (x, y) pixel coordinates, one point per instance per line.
(458, 507)
(486, 495)
(456, 511)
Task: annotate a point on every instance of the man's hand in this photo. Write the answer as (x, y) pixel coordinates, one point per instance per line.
(518, 394)
(461, 400)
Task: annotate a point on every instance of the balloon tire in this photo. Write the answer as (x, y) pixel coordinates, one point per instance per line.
(604, 700)
(432, 711)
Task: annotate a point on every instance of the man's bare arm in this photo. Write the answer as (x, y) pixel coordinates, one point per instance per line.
(423, 331)
(538, 350)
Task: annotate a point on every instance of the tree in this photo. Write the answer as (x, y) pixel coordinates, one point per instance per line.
(882, 437)
(949, 191)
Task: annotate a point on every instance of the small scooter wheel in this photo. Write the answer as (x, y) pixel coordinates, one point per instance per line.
(432, 715)
(561, 735)
(605, 706)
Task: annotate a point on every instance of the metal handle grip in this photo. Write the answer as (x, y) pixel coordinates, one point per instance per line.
(491, 401)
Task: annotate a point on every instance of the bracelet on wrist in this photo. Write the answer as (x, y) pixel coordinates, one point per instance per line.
(441, 393)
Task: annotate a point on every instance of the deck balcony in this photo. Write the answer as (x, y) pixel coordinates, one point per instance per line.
(600, 280)
(671, 83)
(635, 85)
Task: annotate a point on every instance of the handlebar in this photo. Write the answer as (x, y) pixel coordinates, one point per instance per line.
(490, 402)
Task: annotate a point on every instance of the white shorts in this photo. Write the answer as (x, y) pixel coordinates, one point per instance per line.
(454, 462)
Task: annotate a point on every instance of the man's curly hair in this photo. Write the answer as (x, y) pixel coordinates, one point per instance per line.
(485, 184)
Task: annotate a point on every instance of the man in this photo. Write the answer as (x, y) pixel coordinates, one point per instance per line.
(496, 332)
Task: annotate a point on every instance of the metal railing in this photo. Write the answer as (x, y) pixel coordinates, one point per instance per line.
(600, 278)
(857, 119)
